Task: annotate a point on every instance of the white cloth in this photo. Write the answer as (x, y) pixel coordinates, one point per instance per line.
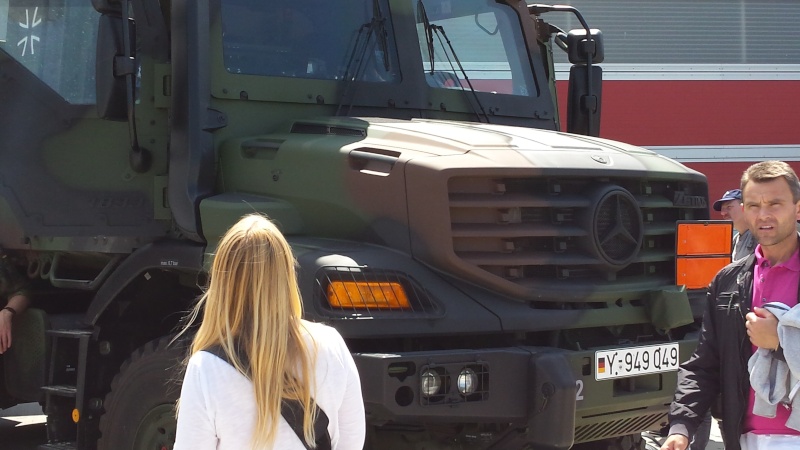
(774, 381)
(217, 407)
(750, 441)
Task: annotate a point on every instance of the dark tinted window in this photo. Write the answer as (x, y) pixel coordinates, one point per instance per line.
(310, 39)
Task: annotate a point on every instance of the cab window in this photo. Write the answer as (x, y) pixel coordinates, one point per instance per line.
(55, 43)
(350, 39)
(476, 40)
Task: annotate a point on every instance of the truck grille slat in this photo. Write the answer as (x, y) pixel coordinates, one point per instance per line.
(659, 229)
(654, 202)
(518, 259)
(517, 230)
(516, 200)
(578, 286)
(523, 259)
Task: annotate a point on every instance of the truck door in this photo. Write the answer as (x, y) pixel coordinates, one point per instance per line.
(64, 171)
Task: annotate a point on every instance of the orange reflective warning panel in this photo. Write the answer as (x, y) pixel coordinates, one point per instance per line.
(709, 237)
(697, 273)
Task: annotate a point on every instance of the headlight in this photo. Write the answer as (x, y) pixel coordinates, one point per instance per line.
(467, 381)
(430, 382)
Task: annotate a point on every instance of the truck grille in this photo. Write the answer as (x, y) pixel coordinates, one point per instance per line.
(571, 238)
(620, 427)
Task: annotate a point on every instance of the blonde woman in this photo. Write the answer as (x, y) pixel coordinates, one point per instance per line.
(253, 352)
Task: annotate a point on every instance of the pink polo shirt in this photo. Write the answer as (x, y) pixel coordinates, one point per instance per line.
(772, 284)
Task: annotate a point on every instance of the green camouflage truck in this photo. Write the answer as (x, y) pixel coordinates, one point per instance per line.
(501, 283)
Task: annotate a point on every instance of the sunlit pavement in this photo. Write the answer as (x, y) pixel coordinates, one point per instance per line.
(714, 442)
(22, 427)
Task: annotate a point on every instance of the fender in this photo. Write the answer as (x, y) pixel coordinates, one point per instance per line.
(176, 255)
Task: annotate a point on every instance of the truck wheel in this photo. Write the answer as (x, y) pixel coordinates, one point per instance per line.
(140, 408)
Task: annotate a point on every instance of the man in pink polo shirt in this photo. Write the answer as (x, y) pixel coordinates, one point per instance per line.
(734, 325)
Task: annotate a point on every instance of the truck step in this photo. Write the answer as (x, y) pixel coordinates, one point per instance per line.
(58, 446)
(69, 333)
(63, 390)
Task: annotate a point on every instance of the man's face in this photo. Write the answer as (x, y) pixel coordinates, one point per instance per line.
(770, 212)
(732, 210)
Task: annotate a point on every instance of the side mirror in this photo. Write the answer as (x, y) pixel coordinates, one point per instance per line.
(584, 48)
(584, 99)
(579, 48)
(112, 68)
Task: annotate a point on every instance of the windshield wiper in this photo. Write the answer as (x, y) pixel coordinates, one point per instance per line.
(422, 16)
(361, 51)
(380, 29)
(431, 29)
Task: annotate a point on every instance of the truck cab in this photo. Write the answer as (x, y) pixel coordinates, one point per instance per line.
(500, 282)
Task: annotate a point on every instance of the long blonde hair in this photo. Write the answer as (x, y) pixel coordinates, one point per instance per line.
(252, 307)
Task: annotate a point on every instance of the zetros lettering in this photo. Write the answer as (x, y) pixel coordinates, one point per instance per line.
(681, 199)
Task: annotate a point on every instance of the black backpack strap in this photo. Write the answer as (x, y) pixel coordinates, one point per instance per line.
(291, 410)
(219, 352)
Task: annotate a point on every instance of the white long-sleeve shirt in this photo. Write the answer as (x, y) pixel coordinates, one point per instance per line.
(218, 409)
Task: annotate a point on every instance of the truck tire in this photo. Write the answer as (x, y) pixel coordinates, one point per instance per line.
(140, 408)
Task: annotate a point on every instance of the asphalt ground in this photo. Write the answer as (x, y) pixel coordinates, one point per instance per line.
(22, 428)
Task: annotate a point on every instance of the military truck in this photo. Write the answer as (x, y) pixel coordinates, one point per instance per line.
(501, 283)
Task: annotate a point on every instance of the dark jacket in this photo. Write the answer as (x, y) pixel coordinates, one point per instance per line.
(719, 364)
(11, 282)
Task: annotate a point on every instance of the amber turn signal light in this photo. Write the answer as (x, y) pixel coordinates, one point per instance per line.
(367, 295)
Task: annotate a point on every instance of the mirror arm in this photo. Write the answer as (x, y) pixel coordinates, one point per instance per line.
(138, 158)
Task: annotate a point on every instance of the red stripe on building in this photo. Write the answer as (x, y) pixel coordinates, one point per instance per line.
(694, 112)
(723, 176)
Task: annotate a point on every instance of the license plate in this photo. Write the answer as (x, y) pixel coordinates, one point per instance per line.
(628, 362)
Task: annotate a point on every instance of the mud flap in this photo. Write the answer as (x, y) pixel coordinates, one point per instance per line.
(551, 402)
(669, 308)
(551, 406)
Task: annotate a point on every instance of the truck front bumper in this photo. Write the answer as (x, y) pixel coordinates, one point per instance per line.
(549, 396)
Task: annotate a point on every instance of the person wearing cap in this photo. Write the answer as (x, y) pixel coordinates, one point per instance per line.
(730, 205)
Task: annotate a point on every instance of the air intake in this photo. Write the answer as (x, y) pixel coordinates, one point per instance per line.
(319, 128)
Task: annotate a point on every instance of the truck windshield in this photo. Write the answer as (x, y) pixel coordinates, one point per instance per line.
(54, 43)
(482, 36)
(310, 39)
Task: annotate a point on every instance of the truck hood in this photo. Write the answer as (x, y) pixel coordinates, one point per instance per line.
(506, 146)
(534, 214)
(520, 211)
